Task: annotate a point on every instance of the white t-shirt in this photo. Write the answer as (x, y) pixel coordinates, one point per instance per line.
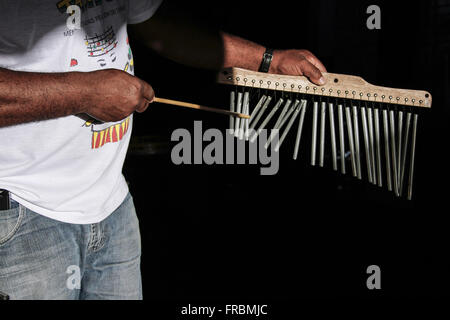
(67, 169)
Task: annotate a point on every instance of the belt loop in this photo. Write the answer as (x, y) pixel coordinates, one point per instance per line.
(5, 202)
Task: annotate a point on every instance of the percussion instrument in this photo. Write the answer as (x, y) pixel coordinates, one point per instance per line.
(386, 117)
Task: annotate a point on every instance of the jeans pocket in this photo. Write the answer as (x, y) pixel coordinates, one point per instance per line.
(10, 221)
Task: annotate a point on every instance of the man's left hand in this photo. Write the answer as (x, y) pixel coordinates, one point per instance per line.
(298, 63)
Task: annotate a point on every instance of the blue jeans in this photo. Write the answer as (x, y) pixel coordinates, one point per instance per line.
(41, 258)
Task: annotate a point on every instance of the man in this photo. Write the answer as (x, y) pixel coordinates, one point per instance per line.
(68, 227)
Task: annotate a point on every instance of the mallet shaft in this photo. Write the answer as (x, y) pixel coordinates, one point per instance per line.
(200, 107)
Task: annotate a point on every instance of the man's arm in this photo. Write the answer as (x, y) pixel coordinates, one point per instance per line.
(183, 42)
(29, 96)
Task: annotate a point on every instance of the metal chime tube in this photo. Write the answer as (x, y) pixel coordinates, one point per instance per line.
(412, 155)
(399, 148)
(333, 136)
(366, 143)
(350, 140)
(237, 123)
(257, 108)
(244, 111)
(314, 133)
(322, 133)
(393, 152)
(378, 147)
(405, 150)
(232, 106)
(300, 129)
(371, 144)
(357, 150)
(247, 123)
(342, 139)
(386, 150)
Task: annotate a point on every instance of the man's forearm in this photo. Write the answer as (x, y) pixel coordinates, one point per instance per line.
(180, 40)
(191, 45)
(241, 53)
(28, 96)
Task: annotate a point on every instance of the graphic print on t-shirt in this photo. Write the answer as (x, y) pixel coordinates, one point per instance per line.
(106, 132)
(101, 47)
(130, 62)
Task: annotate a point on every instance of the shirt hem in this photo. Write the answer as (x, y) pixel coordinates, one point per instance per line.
(66, 216)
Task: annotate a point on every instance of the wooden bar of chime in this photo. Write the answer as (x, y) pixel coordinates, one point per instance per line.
(386, 118)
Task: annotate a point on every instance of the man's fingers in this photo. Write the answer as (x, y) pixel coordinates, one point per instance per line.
(147, 96)
(315, 61)
(143, 105)
(147, 91)
(312, 72)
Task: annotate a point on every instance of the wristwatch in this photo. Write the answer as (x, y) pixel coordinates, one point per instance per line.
(266, 60)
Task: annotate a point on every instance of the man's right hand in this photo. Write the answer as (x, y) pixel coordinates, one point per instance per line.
(112, 95)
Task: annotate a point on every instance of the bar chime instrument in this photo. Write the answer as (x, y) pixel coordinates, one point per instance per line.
(387, 118)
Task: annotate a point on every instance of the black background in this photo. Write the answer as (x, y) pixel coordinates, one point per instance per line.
(226, 233)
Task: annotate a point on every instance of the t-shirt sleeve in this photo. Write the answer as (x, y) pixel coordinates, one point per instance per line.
(141, 10)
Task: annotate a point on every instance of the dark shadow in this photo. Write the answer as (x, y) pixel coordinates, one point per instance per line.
(305, 232)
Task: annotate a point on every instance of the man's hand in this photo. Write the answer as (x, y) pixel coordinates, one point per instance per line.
(115, 95)
(298, 63)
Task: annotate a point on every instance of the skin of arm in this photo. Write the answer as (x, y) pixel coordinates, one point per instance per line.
(30, 96)
(183, 42)
(27, 97)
